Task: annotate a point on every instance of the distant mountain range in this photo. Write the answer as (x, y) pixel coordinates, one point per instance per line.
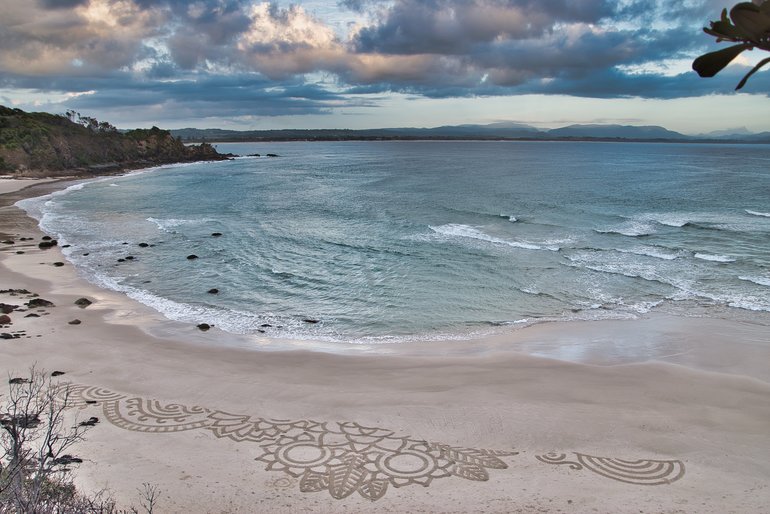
(494, 131)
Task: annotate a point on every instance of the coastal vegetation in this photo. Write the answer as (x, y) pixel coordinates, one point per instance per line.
(43, 144)
(37, 434)
(35, 440)
(748, 25)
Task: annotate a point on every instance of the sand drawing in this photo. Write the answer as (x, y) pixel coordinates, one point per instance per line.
(638, 472)
(343, 458)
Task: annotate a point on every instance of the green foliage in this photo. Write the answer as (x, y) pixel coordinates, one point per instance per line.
(41, 143)
(143, 134)
(19, 130)
(749, 26)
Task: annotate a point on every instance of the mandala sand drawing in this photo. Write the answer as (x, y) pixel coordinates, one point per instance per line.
(343, 458)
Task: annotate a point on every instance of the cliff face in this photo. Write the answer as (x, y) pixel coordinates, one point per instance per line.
(41, 144)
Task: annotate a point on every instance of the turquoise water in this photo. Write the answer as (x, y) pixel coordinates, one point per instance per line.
(387, 241)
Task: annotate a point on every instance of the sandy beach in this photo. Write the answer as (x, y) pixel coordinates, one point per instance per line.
(658, 415)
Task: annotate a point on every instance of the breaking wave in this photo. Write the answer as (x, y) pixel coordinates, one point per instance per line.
(454, 230)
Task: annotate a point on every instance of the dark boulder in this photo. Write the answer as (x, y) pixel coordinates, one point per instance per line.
(38, 302)
(67, 459)
(6, 308)
(5, 319)
(47, 244)
(83, 302)
(93, 420)
(74, 322)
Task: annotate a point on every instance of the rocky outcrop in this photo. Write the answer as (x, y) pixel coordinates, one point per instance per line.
(42, 144)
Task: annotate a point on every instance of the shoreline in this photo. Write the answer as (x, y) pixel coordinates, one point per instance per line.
(613, 341)
(701, 404)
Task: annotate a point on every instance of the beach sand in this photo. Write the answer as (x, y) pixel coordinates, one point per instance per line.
(662, 414)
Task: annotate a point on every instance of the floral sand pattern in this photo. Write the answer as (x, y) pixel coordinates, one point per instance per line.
(343, 458)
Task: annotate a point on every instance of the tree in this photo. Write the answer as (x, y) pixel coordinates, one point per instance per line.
(35, 466)
(34, 442)
(90, 123)
(749, 26)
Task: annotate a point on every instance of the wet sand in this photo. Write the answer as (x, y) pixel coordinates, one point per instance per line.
(662, 414)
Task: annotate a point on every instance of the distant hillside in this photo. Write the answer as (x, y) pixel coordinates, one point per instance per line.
(42, 144)
(762, 137)
(616, 131)
(495, 131)
(728, 133)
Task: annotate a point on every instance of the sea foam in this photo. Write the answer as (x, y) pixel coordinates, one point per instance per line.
(762, 281)
(455, 230)
(713, 258)
(650, 252)
(167, 225)
(629, 228)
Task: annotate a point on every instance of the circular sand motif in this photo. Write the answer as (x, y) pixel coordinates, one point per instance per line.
(408, 464)
(304, 454)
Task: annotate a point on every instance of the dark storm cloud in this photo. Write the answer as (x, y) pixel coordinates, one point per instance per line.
(253, 58)
(207, 95)
(614, 84)
(568, 55)
(602, 83)
(450, 26)
(61, 4)
(490, 47)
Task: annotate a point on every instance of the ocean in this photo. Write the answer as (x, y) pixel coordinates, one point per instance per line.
(384, 242)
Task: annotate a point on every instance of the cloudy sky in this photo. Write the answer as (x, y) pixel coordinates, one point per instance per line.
(373, 63)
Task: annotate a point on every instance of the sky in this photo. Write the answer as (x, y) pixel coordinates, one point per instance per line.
(243, 64)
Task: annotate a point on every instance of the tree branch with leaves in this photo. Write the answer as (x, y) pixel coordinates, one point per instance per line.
(34, 439)
(748, 25)
(36, 435)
